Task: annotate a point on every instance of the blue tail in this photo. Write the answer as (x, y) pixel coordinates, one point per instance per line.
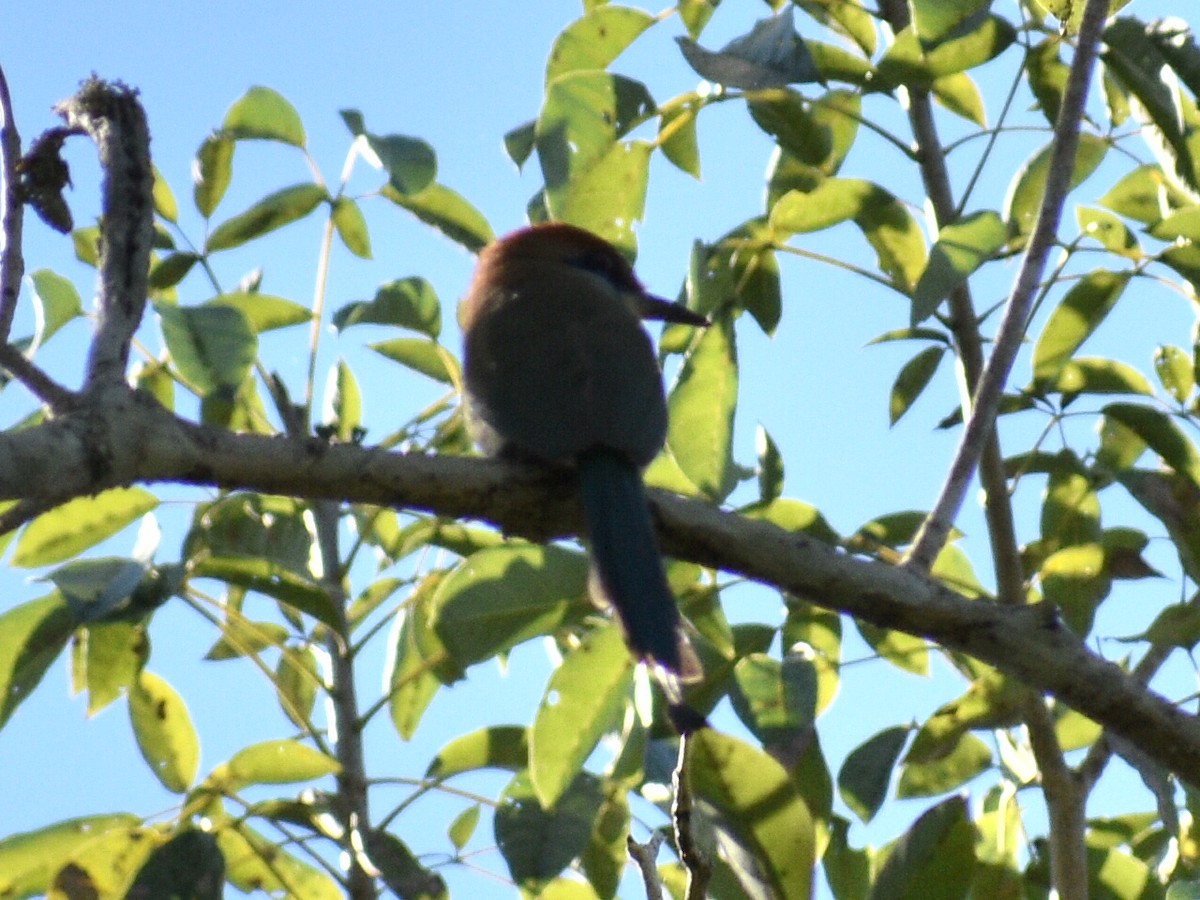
(625, 556)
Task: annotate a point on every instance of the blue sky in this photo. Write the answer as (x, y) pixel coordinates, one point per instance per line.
(460, 74)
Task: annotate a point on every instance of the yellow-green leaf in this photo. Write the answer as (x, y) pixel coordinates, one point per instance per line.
(68, 530)
(164, 732)
(759, 805)
(278, 762)
(264, 114)
(584, 699)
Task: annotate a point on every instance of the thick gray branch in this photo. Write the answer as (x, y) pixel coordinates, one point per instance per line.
(112, 116)
(129, 438)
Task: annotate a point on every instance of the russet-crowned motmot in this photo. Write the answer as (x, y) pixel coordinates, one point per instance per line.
(558, 369)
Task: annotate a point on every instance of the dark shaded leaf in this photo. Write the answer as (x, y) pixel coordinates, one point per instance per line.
(771, 55)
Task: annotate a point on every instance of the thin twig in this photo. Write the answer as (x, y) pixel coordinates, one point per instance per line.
(113, 117)
(645, 857)
(12, 214)
(41, 385)
(979, 426)
(698, 867)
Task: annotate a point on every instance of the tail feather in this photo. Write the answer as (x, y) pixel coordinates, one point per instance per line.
(625, 557)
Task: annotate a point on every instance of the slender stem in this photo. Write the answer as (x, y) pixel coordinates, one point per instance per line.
(979, 426)
(318, 313)
(351, 798)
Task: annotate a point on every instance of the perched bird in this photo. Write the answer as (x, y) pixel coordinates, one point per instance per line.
(558, 369)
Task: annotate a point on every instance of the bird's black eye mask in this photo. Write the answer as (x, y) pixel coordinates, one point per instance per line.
(607, 266)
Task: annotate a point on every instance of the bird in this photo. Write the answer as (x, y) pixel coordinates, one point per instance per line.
(559, 370)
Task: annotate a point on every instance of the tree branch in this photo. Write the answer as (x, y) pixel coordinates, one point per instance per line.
(112, 116)
(12, 214)
(982, 414)
(131, 439)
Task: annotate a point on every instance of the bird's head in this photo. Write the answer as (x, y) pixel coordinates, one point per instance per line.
(557, 252)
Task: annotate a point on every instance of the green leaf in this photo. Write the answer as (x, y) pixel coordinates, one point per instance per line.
(164, 731)
(1176, 374)
(701, 405)
(213, 172)
(785, 115)
(32, 635)
(970, 757)
(463, 827)
(605, 859)
(769, 468)
(343, 402)
(519, 142)
(273, 580)
(297, 678)
(934, 859)
(212, 347)
(164, 201)
(1183, 223)
(740, 269)
(108, 660)
(771, 55)
(959, 94)
(536, 843)
(497, 747)
(190, 865)
(446, 211)
(864, 777)
(1161, 434)
(906, 652)
(277, 762)
(168, 271)
(1144, 195)
(1025, 194)
(1047, 76)
(1073, 321)
(254, 863)
(415, 660)
(610, 196)
(30, 861)
(757, 804)
(401, 871)
(937, 20)
(913, 378)
(1097, 376)
(351, 226)
(247, 525)
(595, 40)
(593, 180)
(427, 357)
(907, 63)
(264, 312)
(281, 208)
(66, 531)
(1174, 501)
(1138, 64)
(961, 249)
(678, 139)
(502, 596)
(584, 699)
(1109, 231)
(57, 303)
(410, 163)
(832, 201)
(775, 700)
(263, 114)
(95, 589)
(405, 303)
